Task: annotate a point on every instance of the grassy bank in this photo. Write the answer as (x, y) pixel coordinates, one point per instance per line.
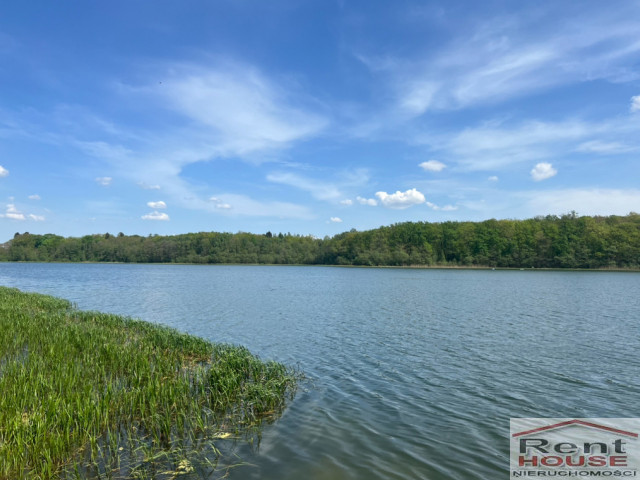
(91, 395)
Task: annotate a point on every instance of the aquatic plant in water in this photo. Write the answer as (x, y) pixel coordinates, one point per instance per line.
(94, 395)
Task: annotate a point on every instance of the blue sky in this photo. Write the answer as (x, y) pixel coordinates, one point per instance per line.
(314, 117)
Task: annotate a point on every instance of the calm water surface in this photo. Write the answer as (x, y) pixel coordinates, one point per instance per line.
(414, 374)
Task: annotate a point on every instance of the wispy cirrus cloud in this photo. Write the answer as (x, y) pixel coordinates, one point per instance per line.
(606, 148)
(218, 109)
(497, 144)
(228, 109)
(102, 149)
(503, 57)
(324, 190)
(493, 146)
(238, 107)
(320, 190)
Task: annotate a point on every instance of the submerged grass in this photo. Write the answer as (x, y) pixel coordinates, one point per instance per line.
(92, 395)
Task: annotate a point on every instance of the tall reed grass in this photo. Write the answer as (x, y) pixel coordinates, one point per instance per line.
(93, 395)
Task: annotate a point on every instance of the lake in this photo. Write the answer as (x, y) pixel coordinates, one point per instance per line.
(413, 374)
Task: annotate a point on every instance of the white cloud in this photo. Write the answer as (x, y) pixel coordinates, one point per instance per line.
(220, 204)
(401, 200)
(449, 208)
(635, 104)
(3, 171)
(155, 216)
(36, 218)
(13, 213)
(336, 219)
(433, 166)
(34, 197)
(347, 202)
(159, 205)
(542, 171)
(493, 178)
(446, 208)
(104, 181)
(372, 202)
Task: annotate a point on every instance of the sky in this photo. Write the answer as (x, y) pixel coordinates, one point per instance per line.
(314, 117)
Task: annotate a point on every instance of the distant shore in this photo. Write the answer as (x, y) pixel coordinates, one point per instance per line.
(551, 242)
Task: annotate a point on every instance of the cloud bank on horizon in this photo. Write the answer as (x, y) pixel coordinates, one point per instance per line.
(254, 116)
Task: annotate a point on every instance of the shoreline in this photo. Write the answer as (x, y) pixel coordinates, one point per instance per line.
(399, 267)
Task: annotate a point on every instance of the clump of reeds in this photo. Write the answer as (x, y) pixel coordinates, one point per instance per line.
(86, 394)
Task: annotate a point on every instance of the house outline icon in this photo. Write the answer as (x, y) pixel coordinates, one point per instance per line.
(575, 421)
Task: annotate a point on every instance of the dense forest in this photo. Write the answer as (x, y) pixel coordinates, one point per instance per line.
(568, 241)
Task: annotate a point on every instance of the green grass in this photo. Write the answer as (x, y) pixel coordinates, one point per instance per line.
(92, 395)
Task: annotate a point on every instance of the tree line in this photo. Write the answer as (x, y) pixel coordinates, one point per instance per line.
(567, 241)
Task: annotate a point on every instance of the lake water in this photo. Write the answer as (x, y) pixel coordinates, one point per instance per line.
(414, 374)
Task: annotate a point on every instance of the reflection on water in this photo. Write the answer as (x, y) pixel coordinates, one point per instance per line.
(414, 374)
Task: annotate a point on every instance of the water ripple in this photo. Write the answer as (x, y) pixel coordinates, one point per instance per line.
(412, 374)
